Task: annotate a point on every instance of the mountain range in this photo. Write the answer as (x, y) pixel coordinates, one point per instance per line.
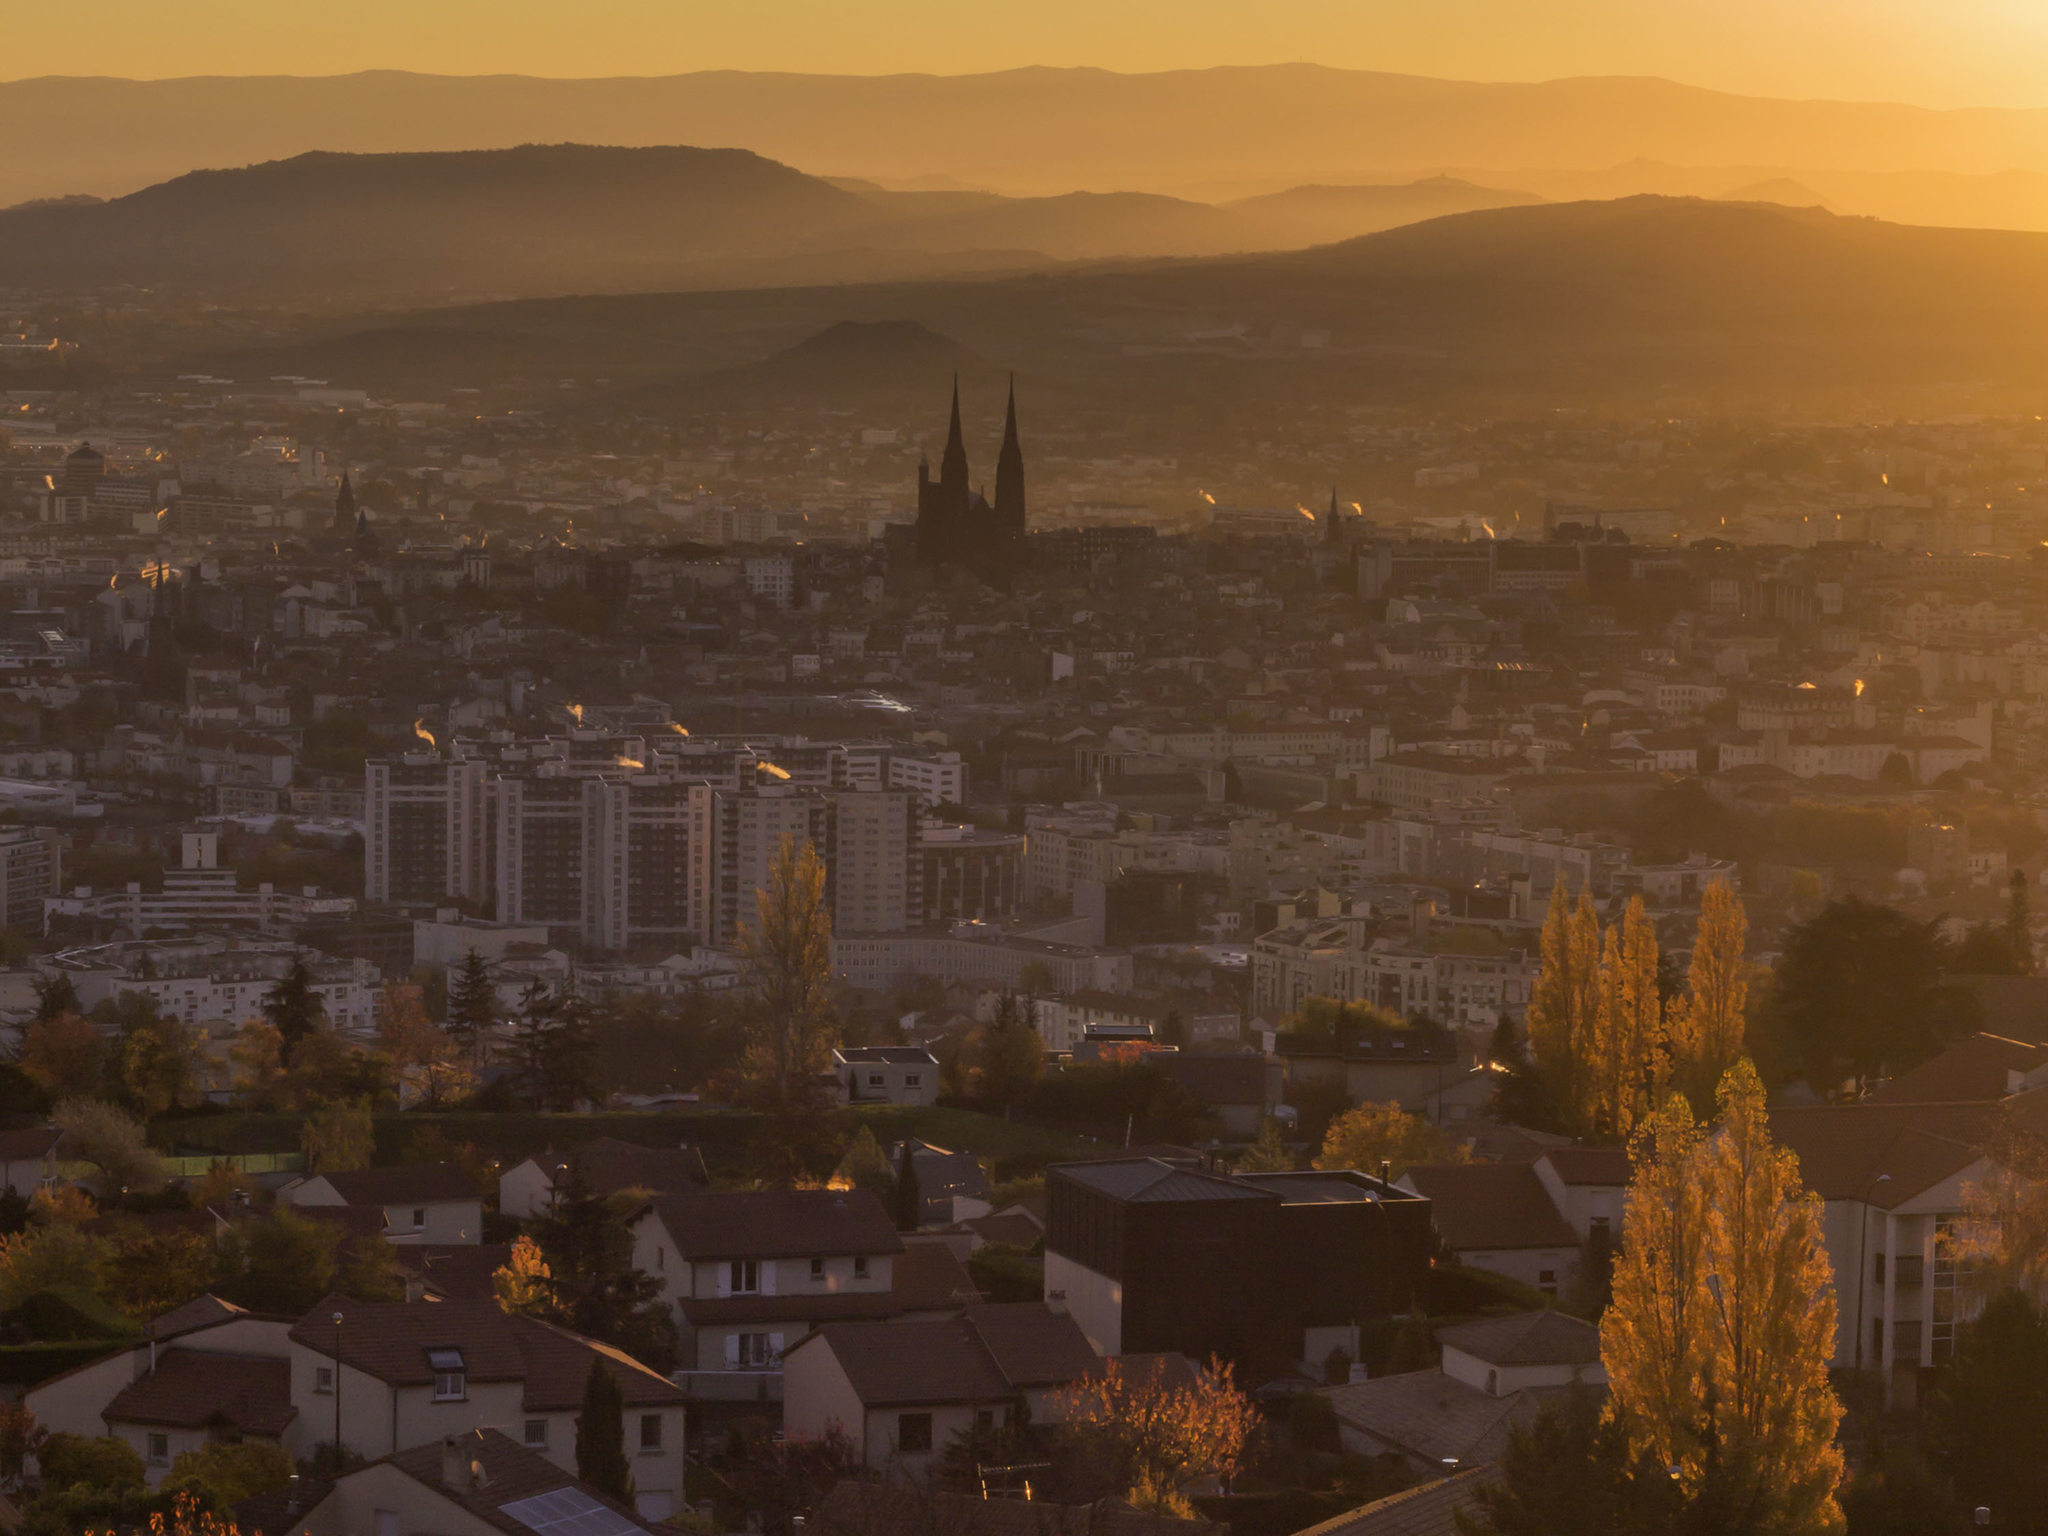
(1661, 302)
(581, 218)
(1213, 134)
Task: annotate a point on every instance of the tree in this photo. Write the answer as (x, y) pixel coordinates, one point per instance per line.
(98, 1133)
(338, 1137)
(1269, 1151)
(472, 1009)
(2019, 923)
(907, 1203)
(281, 1262)
(1627, 1064)
(421, 1053)
(521, 1282)
(1009, 1056)
(65, 1054)
(229, 1473)
(1717, 1342)
(96, 1461)
(2001, 1240)
(787, 955)
(1564, 1003)
(1156, 1437)
(150, 1272)
(866, 1165)
(1708, 1023)
(1372, 1134)
(555, 1041)
(1568, 1473)
(257, 1060)
(601, 1434)
(158, 1060)
(294, 1008)
(1861, 992)
(592, 1284)
(20, 1438)
(49, 1259)
(54, 995)
(1520, 1096)
(1990, 1411)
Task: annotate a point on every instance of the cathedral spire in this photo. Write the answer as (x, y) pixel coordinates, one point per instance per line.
(344, 522)
(953, 463)
(1009, 501)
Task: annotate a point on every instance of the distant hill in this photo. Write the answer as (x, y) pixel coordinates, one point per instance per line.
(565, 218)
(1206, 133)
(1639, 301)
(1316, 215)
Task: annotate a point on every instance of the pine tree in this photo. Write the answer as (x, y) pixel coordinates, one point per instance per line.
(293, 1008)
(1717, 1342)
(601, 1434)
(591, 1283)
(472, 1008)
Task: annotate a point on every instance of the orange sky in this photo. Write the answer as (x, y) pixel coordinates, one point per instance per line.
(1937, 52)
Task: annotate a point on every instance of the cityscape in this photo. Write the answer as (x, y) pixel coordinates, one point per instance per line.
(738, 810)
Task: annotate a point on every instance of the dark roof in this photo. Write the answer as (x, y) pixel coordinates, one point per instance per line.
(1886, 1154)
(1532, 1338)
(1973, 1069)
(927, 1275)
(199, 1312)
(454, 1271)
(1153, 1180)
(2013, 1006)
(1598, 1166)
(1216, 1079)
(889, 1055)
(191, 1389)
(1491, 1205)
(1431, 1416)
(419, 1183)
(891, 1364)
(511, 1473)
(777, 1224)
(1018, 1228)
(391, 1341)
(30, 1143)
(1428, 1509)
(892, 1509)
(1033, 1346)
(607, 1165)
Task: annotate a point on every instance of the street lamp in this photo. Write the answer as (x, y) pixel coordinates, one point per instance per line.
(337, 1394)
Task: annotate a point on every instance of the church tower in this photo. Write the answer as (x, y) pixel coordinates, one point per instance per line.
(343, 525)
(1009, 502)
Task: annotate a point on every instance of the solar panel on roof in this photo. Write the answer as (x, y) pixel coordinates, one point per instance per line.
(570, 1512)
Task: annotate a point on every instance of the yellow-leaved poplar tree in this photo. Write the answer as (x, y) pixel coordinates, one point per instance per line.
(1627, 1064)
(1564, 1004)
(1723, 1321)
(1707, 1024)
(787, 954)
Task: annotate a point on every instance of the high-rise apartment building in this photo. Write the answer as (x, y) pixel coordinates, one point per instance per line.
(425, 825)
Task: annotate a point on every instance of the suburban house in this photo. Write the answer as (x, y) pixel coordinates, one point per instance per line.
(1495, 1374)
(889, 1508)
(903, 1392)
(1156, 1255)
(1376, 1065)
(886, 1074)
(1427, 1509)
(480, 1483)
(751, 1272)
(28, 1159)
(951, 1186)
(605, 1166)
(1498, 1217)
(1239, 1089)
(387, 1376)
(421, 1202)
(1588, 1186)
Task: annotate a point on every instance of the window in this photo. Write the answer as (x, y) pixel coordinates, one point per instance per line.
(984, 1420)
(860, 1266)
(159, 1449)
(323, 1379)
(817, 1269)
(1546, 1281)
(660, 1259)
(876, 1080)
(745, 1277)
(912, 1079)
(913, 1433)
(450, 1385)
(1598, 1229)
(536, 1432)
(419, 1216)
(753, 1350)
(650, 1431)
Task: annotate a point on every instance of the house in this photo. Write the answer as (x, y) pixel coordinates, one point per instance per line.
(1496, 1374)
(903, 1392)
(1427, 1509)
(1375, 1065)
(1240, 1090)
(421, 1202)
(750, 1272)
(400, 1375)
(951, 1186)
(28, 1159)
(1976, 1069)
(480, 1483)
(605, 1165)
(886, 1074)
(1588, 1186)
(1498, 1217)
(1150, 1254)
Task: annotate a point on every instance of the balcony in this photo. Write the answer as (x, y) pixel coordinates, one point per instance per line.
(757, 1386)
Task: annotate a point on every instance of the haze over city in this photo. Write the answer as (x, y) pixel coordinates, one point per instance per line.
(1146, 770)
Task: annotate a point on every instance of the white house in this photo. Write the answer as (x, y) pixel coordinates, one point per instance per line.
(886, 1074)
(605, 1165)
(1499, 1217)
(421, 1202)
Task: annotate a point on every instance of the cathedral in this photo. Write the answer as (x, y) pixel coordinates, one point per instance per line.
(956, 526)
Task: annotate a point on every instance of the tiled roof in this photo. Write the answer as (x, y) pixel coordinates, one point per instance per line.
(454, 1271)
(31, 1143)
(891, 1364)
(558, 1368)
(1150, 1179)
(1491, 1205)
(777, 1224)
(928, 1276)
(510, 1473)
(889, 1055)
(199, 1312)
(1532, 1338)
(891, 1509)
(1887, 1154)
(416, 1183)
(1428, 1509)
(1434, 1417)
(1972, 1070)
(1597, 1166)
(1032, 1345)
(190, 1389)
(607, 1165)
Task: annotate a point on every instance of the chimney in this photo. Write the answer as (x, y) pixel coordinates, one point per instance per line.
(452, 1470)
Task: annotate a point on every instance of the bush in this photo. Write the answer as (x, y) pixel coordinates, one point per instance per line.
(228, 1474)
(67, 1461)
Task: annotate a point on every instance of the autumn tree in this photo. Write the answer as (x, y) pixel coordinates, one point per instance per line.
(157, 1056)
(1269, 1151)
(1008, 1056)
(1372, 1134)
(150, 1272)
(1717, 1342)
(422, 1054)
(95, 1132)
(521, 1282)
(1707, 1023)
(256, 1058)
(787, 954)
(865, 1165)
(1155, 1436)
(2000, 1241)
(338, 1137)
(65, 1055)
(1626, 1067)
(1564, 1004)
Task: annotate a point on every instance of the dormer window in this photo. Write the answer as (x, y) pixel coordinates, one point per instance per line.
(451, 1384)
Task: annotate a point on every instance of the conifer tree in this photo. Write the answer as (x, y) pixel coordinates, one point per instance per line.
(472, 1008)
(293, 1008)
(601, 1434)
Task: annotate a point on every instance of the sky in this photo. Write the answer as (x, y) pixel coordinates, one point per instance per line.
(1946, 53)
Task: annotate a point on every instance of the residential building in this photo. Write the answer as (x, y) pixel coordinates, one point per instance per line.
(604, 1166)
(886, 1074)
(30, 873)
(420, 1202)
(424, 830)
